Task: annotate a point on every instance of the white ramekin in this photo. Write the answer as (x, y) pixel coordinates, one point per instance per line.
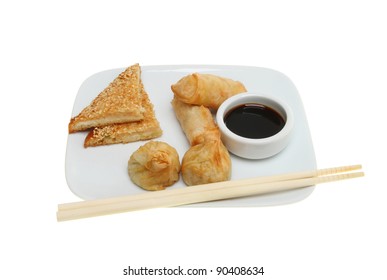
(255, 148)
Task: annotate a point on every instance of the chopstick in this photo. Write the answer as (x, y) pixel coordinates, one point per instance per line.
(204, 193)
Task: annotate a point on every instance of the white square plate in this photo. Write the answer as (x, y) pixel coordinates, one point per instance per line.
(100, 172)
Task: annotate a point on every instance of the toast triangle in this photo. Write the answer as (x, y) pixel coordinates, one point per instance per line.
(145, 129)
(119, 102)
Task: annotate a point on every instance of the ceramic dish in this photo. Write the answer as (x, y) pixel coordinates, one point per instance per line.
(101, 172)
(258, 147)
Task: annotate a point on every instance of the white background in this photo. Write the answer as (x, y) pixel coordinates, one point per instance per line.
(335, 52)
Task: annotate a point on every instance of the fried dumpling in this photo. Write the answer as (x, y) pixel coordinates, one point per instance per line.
(154, 166)
(207, 162)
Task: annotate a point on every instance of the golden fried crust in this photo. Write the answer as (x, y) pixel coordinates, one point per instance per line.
(154, 166)
(196, 121)
(208, 162)
(118, 103)
(148, 128)
(206, 89)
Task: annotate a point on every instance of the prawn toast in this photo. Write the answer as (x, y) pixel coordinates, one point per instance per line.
(119, 102)
(148, 128)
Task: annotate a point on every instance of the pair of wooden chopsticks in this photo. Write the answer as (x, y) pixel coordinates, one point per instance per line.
(206, 192)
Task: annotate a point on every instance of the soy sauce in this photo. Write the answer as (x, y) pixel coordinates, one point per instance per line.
(254, 121)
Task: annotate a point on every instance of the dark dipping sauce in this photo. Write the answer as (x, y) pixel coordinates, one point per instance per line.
(254, 121)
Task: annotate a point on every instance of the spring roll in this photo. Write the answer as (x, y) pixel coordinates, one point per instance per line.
(196, 121)
(207, 160)
(206, 89)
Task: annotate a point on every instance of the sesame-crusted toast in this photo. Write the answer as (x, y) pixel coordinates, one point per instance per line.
(145, 129)
(119, 102)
